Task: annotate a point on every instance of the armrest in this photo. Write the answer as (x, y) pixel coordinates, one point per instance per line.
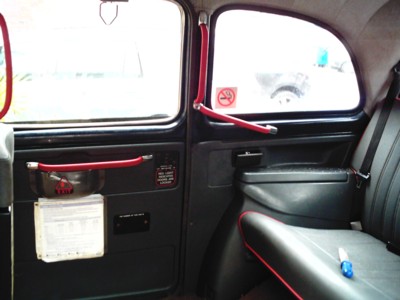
(286, 175)
(322, 193)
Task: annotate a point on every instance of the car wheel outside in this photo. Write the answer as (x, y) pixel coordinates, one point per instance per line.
(285, 96)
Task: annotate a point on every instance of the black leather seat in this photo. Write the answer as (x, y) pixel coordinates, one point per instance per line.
(307, 260)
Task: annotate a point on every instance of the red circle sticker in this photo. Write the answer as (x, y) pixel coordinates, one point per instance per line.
(226, 98)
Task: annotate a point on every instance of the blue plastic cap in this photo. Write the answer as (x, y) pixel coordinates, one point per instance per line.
(347, 268)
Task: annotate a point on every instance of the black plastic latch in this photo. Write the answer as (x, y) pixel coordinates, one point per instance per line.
(361, 178)
(392, 247)
(246, 158)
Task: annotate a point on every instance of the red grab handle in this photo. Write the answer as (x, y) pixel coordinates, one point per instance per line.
(88, 166)
(9, 73)
(203, 64)
(198, 105)
(239, 122)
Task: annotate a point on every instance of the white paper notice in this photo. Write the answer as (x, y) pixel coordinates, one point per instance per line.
(69, 229)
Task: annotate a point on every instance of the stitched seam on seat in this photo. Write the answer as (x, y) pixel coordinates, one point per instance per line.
(316, 245)
(396, 213)
(390, 187)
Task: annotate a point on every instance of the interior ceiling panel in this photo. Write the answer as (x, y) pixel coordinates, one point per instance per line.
(370, 28)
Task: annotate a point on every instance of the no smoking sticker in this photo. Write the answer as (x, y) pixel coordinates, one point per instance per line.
(226, 97)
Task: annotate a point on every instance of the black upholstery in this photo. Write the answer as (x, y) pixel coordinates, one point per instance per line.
(381, 213)
(307, 260)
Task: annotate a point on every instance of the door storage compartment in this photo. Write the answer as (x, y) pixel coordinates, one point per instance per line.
(66, 184)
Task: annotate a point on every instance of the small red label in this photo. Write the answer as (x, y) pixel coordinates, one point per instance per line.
(64, 187)
(166, 176)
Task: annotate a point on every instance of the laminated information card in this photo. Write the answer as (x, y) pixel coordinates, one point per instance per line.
(67, 229)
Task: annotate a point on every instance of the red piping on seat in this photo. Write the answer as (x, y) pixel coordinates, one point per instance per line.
(260, 258)
(8, 60)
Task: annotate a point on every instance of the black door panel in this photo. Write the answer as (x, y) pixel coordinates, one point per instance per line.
(139, 259)
(289, 125)
(124, 274)
(5, 253)
(117, 181)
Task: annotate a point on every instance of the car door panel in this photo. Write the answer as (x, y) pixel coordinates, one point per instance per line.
(139, 259)
(212, 181)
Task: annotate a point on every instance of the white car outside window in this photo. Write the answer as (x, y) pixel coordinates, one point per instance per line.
(266, 63)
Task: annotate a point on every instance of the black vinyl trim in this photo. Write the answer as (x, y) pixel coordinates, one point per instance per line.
(94, 135)
(5, 254)
(206, 130)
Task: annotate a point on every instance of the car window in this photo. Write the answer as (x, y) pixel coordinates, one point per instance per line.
(88, 61)
(266, 63)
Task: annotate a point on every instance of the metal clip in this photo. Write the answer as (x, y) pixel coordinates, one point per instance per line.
(197, 106)
(361, 178)
(203, 18)
(32, 165)
(147, 157)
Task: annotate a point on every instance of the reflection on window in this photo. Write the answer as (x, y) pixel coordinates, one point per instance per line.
(271, 63)
(69, 66)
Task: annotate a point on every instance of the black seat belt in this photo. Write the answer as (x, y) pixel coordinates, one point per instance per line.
(363, 173)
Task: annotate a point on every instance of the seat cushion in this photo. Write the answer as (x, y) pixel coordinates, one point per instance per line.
(307, 261)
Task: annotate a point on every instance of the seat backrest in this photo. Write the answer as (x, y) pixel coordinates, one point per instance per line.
(381, 207)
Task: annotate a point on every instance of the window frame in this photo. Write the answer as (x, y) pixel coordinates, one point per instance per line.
(169, 123)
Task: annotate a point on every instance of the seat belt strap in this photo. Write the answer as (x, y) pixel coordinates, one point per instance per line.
(363, 173)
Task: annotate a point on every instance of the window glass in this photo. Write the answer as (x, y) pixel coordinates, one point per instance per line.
(84, 61)
(265, 63)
